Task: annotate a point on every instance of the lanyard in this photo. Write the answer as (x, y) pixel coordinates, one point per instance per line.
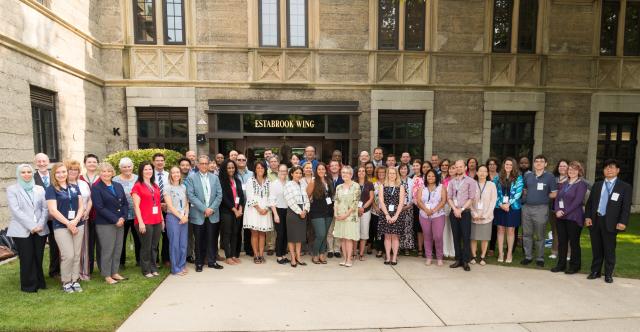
(393, 191)
(234, 191)
(153, 194)
(482, 190)
(567, 186)
(301, 194)
(70, 199)
(429, 191)
(457, 186)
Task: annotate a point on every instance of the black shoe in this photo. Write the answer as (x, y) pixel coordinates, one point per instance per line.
(198, 268)
(216, 266)
(540, 263)
(571, 271)
(526, 261)
(393, 263)
(455, 265)
(608, 279)
(329, 254)
(466, 267)
(190, 259)
(387, 263)
(594, 275)
(337, 255)
(558, 269)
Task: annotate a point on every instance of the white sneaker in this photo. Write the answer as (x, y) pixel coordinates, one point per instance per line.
(553, 256)
(67, 288)
(76, 287)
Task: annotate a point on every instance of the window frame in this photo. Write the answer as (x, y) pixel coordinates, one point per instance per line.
(165, 27)
(396, 34)
(170, 114)
(260, 39)
(617, 28)
(617, 119)
(625, 50)
(509, 34)
(535, 28)
(531, 141)
(136, 30)
(306, 25)
(424, 26)
(398, 116)
(39, 142)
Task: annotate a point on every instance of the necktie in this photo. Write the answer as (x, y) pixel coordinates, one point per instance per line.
(161, 184)
(45, 180)
(602, 206)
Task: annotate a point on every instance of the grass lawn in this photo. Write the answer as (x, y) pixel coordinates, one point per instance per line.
(627, 250)
(100, 307)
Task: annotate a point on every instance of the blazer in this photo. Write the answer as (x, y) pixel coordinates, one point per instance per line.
(195, 194)
(515, 192)
(38, 179)
(22, 210)
(227, 196)
(109, 207)
(617, 211)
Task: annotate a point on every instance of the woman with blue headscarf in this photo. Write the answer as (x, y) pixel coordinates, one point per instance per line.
(28, 227)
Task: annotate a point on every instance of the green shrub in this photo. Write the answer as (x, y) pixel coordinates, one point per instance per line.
(138, 156)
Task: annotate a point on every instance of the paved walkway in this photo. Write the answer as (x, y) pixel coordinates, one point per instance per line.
(371, 296)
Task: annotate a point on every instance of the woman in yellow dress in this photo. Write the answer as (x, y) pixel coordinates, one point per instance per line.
(347, 222)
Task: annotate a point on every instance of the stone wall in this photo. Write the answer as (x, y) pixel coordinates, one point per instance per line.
(571, 27)
(344, 24)
(566, 126)
(460, 26)
(221, 22)
(457, 124)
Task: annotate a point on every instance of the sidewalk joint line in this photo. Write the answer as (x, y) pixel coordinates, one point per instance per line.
(420, 297)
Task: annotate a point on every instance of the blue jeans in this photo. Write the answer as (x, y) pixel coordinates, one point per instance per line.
(178, 241)
(320, 227)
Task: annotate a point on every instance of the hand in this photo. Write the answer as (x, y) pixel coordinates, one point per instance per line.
(303, 214)
(163, 206)
(429, 212)
(141, 228)
(276, 219)
(36, 229)
(457, 213)
(120, 222)
(85, 215)
(559, 214)
(621, 227)
(505, 207)
(208, 212)
(588, 222)
(163, 225)
(360, 212)
(72, 228)
(184, 219)
(394, 219)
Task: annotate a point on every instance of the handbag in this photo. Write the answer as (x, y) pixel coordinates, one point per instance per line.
(5, 253)
(7, 242)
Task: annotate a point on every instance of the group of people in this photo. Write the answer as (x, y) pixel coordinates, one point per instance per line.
(434, 208)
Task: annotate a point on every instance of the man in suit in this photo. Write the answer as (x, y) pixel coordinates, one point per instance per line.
(43, 178)
(162, 179)
(205, 195)
(377, 157)
(607, 213)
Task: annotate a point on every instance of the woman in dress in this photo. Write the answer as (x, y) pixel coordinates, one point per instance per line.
(28, 227)
(375, 235)
(561, 175)
(492, 166)
(509, 185)
(364, 207)
(258, 216)
(73, 172)
(391, 201)
(64, 202)
(175, 195)
(297, 208)
(482, 214)
(568, 209)
(407, 240)
(127, 179)
(347, 227)
(321, 211)
(279, 210)
(91, 177)
(431, 199)
(447, 235)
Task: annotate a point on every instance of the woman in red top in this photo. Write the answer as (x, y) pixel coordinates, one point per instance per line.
(146, 203)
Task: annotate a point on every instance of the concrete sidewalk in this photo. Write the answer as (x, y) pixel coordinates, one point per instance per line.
(373, 296)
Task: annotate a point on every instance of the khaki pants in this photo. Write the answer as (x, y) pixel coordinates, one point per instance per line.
(70, 246)
(271, 240)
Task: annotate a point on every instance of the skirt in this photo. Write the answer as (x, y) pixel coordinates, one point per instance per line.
(507, 219)
(481, 232)
(296, 227)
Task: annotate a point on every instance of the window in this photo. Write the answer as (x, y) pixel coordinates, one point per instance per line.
(632, 28)
(401, 131)
(269, 23)
(163, 128)
(415, 25)
(502, 15)
(512, 134)
(45, 130)
(297, 23)
(617, 139)
(173, 22)
(609, 27)
(388, 17)
(527, 26)
(144, 21)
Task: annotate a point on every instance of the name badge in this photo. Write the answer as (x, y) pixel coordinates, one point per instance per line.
(71, 214)
(244, 187)
(540, 186)
(154, 210)
(360, 204)
(505, 199)
(328, 199)
(615, 196)
(480, 205)
(455, 202)
(237, 200)
(561, 204)
(392, 208)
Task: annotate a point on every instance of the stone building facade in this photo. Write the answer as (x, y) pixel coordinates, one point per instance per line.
(455, 77)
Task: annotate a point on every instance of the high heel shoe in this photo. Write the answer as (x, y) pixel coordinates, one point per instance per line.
(294, 264)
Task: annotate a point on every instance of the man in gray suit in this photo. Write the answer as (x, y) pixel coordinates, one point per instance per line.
(205, 194)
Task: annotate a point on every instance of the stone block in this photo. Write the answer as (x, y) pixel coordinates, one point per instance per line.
(344, 24)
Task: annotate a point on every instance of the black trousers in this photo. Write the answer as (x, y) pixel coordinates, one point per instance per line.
(128, 225)
(246, 235)
(569, 234)
(206, 242)
(494, 238)
(281, 233)
(377, 242)
(231, 230)
(603, 247)
(94, 246)
(31, 253)
(54, 252)
(461, 229)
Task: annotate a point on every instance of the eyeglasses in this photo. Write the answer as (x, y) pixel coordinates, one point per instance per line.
(242, 160)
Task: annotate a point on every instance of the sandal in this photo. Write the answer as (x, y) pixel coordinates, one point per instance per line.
(256, 260)
(302, 263)
(362, 258)
(323, 262)
(482, 262)
(421, 253)
(314, 261)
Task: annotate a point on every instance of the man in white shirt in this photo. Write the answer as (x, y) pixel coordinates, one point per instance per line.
(43, 178)
(162, 180)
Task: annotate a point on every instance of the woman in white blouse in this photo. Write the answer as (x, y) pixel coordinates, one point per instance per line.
(279, 210)
(258, 210)
(297, 208)
(482, 214)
